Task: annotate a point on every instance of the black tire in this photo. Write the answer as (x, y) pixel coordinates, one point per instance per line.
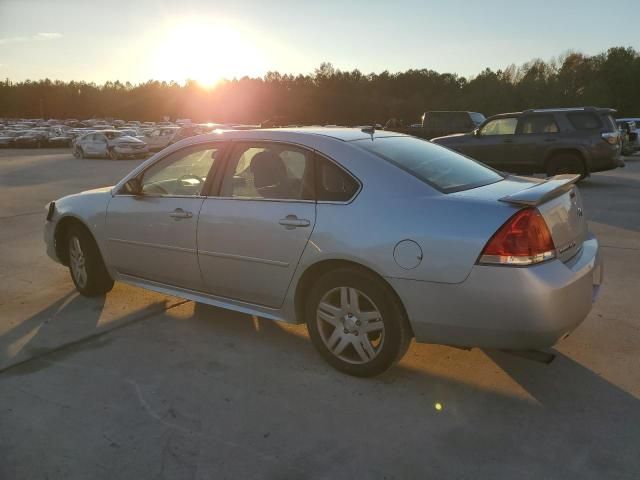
(392, 341)
(96, 279)
(565, 163)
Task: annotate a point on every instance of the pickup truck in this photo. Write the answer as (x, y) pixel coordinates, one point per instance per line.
(438, 124)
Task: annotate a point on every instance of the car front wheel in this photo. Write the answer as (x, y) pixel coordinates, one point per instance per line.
(86, 266)
(356, 323)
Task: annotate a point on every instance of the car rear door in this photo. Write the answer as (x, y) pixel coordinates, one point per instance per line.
(152, 235)
(537, 133)
(252, 235)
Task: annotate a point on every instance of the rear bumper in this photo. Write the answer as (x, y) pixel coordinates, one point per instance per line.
(506, 307)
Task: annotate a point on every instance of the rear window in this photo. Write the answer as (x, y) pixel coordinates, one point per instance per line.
(437, 166)
(584, 121)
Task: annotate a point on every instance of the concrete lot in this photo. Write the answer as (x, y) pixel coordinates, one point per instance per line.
(180, 390)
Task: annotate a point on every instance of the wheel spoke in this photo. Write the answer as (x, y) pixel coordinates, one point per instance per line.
(364, 349)
(330, 319)
(349, 299)
(369, 316)
(373, 326)
(342, 344)
(333, 339)
(330, 309)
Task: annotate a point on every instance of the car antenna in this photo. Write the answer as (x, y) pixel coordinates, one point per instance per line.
(370, 130)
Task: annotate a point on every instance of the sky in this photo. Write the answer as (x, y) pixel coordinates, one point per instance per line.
(207, 40)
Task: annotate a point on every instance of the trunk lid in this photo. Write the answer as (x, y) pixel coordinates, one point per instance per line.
(557, 199)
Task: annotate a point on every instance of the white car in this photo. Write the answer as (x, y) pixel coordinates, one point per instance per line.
(109, 143)
(160, 137)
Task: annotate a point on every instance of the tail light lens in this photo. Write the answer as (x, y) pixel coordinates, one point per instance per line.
(611, 137)
(523, 240)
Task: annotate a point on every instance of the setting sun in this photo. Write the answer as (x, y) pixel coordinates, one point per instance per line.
(205, 51)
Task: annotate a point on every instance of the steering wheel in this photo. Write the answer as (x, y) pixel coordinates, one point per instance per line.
(183, 180)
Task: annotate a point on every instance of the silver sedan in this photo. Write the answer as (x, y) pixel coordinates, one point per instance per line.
(371, 238)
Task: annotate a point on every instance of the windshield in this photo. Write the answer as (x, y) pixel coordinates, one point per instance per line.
(440, 167)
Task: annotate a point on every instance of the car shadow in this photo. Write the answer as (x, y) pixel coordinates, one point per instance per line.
(70, 319)
(572, 416)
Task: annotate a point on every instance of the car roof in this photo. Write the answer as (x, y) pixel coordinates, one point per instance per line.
(344, 134)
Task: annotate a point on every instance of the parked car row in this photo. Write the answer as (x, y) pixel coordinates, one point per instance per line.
(551, 141)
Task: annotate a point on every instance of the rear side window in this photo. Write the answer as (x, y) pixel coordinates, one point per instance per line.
(584, 121)
(437, 166)
(539, 124)
(332, 183)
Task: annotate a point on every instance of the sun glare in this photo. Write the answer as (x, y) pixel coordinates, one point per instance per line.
(205, 51)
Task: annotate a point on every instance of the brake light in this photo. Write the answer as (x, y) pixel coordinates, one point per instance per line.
(523, 240)
(611, 137)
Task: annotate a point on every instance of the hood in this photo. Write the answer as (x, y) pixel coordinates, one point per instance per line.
(96, 190)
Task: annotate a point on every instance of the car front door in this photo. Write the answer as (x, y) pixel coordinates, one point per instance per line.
(152, 232)
(493, 143)
(251, 236)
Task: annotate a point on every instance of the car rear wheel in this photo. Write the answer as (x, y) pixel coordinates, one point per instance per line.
(356, 323)
(565, 163)
(86, 266)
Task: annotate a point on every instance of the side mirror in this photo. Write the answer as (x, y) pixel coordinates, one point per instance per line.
(133, 187)
(476, 133)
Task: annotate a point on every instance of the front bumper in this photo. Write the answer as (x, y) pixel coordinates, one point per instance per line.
(506, 307)
(49, 240)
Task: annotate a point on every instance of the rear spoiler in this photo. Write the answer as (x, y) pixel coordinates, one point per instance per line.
(546, 190)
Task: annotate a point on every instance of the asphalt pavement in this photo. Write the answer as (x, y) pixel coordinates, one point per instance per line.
(140, 385)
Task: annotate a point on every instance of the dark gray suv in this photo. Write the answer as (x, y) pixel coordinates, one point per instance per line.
(551, 141)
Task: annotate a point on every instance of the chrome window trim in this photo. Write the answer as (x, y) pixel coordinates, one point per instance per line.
(259, 199)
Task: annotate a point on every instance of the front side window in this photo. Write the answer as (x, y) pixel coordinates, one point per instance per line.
(444, 169)
(269, 171)
(500, 126)
(539, 124)
(182, 173)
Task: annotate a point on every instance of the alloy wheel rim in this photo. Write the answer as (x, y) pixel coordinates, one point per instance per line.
(350, 325)
(77, 262)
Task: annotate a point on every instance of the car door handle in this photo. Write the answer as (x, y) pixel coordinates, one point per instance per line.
(180, 213)
(291, 221)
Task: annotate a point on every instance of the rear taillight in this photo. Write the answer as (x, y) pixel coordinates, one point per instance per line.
(523, 240)
(611, 137)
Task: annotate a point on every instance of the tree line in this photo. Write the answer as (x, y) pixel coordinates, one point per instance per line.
(329, 95)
